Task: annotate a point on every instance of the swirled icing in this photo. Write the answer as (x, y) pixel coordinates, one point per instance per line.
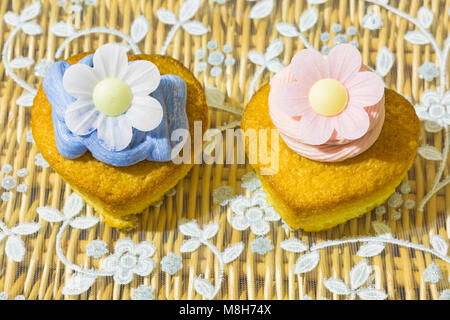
(336, 148)
(154, 145)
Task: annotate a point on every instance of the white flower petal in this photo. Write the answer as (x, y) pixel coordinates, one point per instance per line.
(270, 214)
(240, 223)
(240, 204)
(429, 97)
(145, 249)
(125, 245)
(145, 113)
(110, 263)
(114, 133)
(81, 117)
(143, 77)
(80, 80)
(123, 276)
(260, 227)
(111, 61)
(254, 214)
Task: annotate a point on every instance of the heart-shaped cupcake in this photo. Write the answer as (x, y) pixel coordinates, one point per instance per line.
(341, 143)
(119, 192)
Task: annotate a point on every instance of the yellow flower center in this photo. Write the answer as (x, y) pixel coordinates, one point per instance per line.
(328, 97)
(112, 96)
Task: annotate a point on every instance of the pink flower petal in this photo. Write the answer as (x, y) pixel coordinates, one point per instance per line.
(352, 123)
(293, 99)
(143, 77)
(365, 89)
(282, 77)
(315, 129)
(81, 117)
(309, 66)
(79, 81)
(344, 61)
(114, 133)
(110, 61)
(145, 113)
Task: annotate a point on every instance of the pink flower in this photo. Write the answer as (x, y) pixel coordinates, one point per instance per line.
(357, 90)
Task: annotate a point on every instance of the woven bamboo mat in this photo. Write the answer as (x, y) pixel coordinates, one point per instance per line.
(42, 257)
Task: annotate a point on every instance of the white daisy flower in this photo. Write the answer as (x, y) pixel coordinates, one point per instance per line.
(112, 97)
(434, 107)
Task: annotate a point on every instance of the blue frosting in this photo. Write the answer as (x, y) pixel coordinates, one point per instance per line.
(154, 145)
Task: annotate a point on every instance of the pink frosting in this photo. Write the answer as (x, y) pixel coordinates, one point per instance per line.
(336, 148)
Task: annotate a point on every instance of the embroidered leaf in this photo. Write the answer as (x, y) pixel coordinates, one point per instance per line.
(256, 57)
(15, 248)
(195, 28)
(31, 28)
(371, 294)
(307, 262)
(425, 17)
(190, 245)
(62, 29)
(385, 61)
(166, 16)
(214, 96)
(308, 19)
(78, 284)
(274, 49)
(26, 228)
(83, 223)
(210, 230)
(370, 249)
(73, 206)
(190, 229)
(50, 214)
(232, 252)
(188, 9)
(359, 274)
(204, 287)
(381, 228)
(261, 9)
(416, 37)
(139, 28)
(31, 11)
(293, 245)
(336, 286)
(430, 153)
(21, 62)
(275, 65)
(287, 29)
(25, 100)
(439, 244)
(11, 18)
